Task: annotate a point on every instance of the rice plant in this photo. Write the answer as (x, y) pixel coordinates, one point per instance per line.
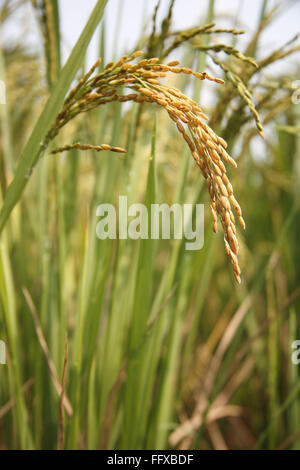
(121, 343)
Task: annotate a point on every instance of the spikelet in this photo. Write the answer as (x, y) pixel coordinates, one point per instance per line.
(97, 148)
(46, 16)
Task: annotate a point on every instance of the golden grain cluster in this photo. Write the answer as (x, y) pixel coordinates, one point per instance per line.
(207, 149)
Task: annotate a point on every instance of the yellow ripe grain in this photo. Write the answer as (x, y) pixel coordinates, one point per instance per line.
(236, 206)
(145, 91)
(227, 218)
(105, 147)
(242, 223)
(232, 162)
(225, 203)
(137, 54)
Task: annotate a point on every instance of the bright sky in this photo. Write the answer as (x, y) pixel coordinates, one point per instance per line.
(187, 13)
(137, 13)
(136, 16)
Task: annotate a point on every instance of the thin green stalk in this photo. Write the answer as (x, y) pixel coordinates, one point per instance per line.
(133, 390)
(78, 354)
(8, 310)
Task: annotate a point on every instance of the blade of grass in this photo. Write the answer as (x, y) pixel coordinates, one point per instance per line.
(33, 149)
(76, 368)
(133, 391)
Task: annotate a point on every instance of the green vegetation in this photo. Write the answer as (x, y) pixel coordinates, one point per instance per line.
(140, 344)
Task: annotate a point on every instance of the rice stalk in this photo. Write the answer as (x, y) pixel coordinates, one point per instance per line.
(142, 304)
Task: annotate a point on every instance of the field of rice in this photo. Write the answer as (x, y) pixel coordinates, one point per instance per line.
(116, 340)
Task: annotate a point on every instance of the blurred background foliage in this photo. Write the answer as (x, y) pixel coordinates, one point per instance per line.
(165, 350)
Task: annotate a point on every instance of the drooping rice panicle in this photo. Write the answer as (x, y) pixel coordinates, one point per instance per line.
(230, 50)
(242, 91)
(207, 149)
